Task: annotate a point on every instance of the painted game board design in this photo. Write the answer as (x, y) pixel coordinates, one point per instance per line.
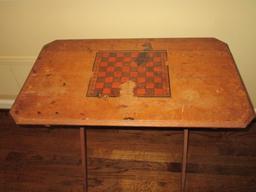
(148, 69)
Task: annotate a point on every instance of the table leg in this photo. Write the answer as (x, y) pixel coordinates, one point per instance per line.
(83, 143)
(184, 160)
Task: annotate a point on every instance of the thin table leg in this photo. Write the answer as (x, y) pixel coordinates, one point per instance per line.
(184, 160)
(83, 143)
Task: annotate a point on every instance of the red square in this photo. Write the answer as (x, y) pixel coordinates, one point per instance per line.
(120, 54)
(97, 60)
(149, 74)
(110, 69)
(159, 91)
(124, 79)
(111, 59)
(127, 59)
(102, 74)
(106, 91)
(118, 64)
(150, 85)
(99, 85)
(133, 64)
(157, 79)
(134, 74)
(157, 69)
(150, 64)
(115, 85)
(126, 69)
(105, 54)
(141, 80)
(117, 74)
(134, 54)
(141, 69)
(103, 64)
(157, 59)
(109, 79)
(141, 91)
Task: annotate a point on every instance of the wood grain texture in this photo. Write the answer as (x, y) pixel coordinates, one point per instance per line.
(222, 160)
(118, 160)
(38, 159)
(206, 89)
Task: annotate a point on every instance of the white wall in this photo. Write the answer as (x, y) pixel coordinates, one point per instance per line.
(26, 25)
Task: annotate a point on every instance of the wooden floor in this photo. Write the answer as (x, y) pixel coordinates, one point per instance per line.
(48, 159)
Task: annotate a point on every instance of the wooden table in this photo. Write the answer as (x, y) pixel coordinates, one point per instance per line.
(161, 83)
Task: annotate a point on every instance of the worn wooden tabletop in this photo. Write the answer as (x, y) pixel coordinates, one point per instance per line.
(182, 82)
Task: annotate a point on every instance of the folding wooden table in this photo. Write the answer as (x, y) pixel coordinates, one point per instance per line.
(162, 83)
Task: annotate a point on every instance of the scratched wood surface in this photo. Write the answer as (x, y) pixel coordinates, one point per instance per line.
(205, 86)
(48, 159)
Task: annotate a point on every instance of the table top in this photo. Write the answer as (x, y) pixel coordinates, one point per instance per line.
(169, 82)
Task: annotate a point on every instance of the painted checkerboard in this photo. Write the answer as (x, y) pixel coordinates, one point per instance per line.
(148, 69)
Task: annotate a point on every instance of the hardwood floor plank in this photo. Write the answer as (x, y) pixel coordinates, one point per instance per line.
(43, 159)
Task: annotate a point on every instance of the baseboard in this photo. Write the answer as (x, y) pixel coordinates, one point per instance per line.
(13, 72)
(6, 103)
(7, 60)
